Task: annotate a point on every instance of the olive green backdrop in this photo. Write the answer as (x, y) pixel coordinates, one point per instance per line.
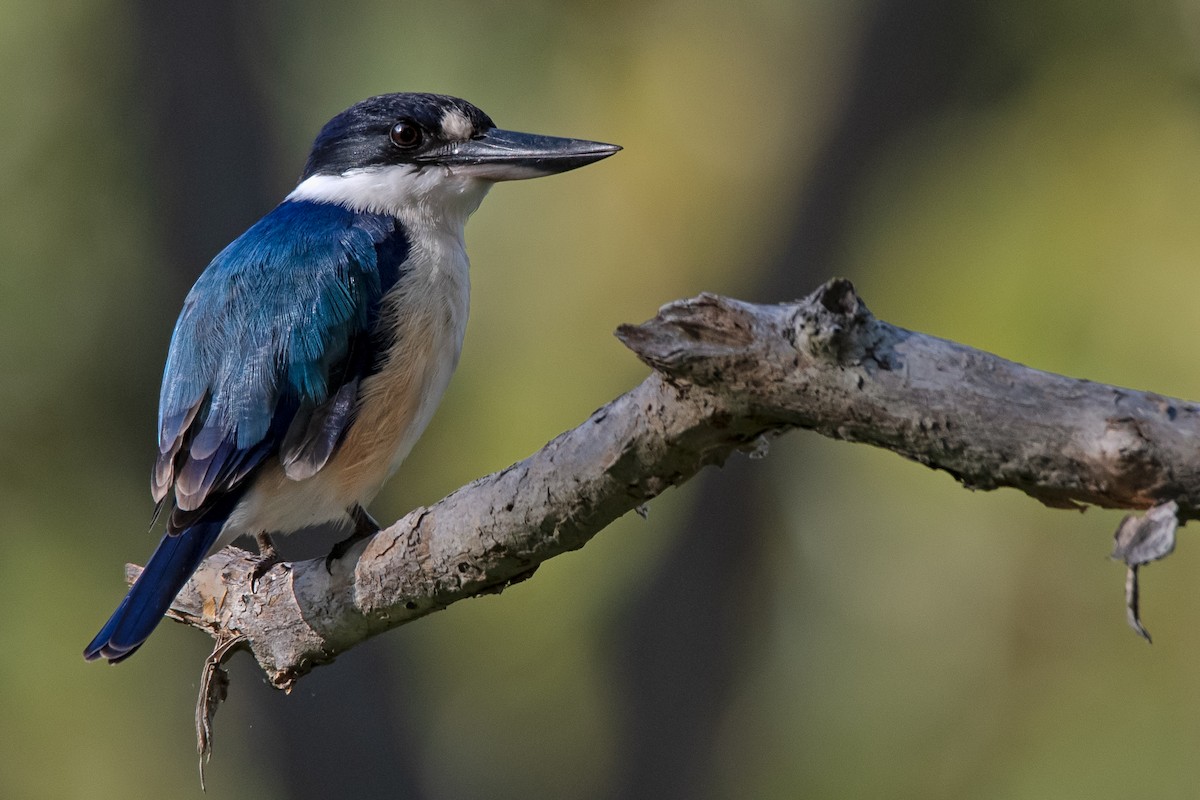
(831, 621)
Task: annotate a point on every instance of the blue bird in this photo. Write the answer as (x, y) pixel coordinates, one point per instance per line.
(312, 352)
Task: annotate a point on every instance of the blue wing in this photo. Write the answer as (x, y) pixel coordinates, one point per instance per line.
(265, 361)
(270, 347)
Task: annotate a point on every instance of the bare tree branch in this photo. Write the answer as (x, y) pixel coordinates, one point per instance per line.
(727, 373)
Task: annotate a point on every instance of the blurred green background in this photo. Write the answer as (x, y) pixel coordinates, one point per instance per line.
(831, 621)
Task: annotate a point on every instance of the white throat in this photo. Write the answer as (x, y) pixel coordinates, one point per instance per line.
(422, 196)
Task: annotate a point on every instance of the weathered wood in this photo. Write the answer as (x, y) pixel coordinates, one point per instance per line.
(727, 373)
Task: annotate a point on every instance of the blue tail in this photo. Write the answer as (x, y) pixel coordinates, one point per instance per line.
(172, 564)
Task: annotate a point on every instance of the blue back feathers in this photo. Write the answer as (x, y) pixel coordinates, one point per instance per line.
(270, 346)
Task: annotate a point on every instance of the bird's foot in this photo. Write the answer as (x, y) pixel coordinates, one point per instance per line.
(365, 527)
(341, 548)
(268, 557)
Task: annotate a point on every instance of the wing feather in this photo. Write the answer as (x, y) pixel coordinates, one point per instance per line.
(270, 348)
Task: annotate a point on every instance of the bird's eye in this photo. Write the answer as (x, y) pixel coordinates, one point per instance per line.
(406, 135)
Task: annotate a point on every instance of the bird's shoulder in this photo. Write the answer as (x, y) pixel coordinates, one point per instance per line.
(303, 239)
(305, 273)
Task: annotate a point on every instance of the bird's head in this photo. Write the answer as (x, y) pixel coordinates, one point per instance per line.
(416, 153)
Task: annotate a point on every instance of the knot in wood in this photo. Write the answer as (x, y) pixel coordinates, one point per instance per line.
(692, 339)
(830, 321)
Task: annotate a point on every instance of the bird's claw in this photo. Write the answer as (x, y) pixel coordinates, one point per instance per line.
(341, 548)
(263, 566)
(268, 557)
(365, 527)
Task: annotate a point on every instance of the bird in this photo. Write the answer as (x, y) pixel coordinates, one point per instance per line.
(311, 352)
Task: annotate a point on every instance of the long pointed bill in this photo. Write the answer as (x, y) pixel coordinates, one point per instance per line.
(509, 156)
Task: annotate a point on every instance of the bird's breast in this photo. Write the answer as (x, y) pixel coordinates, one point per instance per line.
(422, 319)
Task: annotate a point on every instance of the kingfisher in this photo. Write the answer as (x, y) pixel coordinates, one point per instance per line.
(312, 351)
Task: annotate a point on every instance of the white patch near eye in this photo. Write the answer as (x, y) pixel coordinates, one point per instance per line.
(456, 126)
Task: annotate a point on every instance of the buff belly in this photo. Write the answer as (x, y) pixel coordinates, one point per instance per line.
(395, 405)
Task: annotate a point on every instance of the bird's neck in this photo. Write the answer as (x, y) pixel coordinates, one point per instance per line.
(422, 197)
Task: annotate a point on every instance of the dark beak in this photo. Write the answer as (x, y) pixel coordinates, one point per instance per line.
(507, 155)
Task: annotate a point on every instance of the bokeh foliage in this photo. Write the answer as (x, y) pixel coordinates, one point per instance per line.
(916, 639)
